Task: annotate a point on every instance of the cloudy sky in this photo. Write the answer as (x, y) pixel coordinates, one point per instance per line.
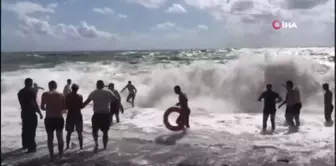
(163, 24)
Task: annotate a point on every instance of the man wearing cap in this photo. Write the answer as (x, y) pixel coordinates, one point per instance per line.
(74, 102)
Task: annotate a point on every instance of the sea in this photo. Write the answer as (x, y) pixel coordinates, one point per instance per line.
(222, 86)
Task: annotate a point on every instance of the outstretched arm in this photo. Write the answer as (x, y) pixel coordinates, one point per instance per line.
(123, 89)
(40, 88)
(279, 99)
(87, 101)
(284, 102)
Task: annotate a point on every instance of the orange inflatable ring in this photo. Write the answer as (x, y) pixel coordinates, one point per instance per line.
(166, 122)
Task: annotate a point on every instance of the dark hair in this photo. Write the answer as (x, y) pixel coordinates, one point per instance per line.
(129, 82)
(289, 83)
(28, 82)
(269, 86)
(52, 85)
(325, 86)
(110, 84)
(177, 87)
(100, 84)
(74, 87)
(68, 81)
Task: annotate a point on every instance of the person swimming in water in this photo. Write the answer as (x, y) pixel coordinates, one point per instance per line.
(270, 101)
(53, 103)
(183, 103)
(36, 88)
(131, 92)
(115, 106)
(328, 106)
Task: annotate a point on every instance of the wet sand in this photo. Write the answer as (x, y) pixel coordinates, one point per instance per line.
(165, 150)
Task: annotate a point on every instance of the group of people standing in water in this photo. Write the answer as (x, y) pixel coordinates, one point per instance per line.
(293, 105)
(107, 103)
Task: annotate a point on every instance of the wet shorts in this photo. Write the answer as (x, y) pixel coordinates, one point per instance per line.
(52, 124)
(101, 121)
(73, 121)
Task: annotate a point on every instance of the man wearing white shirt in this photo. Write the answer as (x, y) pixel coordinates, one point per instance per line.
(101, 107)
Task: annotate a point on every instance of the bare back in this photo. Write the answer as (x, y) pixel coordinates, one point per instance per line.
(54, 102)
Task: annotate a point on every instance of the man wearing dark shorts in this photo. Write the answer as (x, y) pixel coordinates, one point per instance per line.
(115, 106)
(293, 102)
(29, 108)
(131, 92)
(270, 101)
(185, 110)
(101, 107)
(328, 106)
(73, 103)
(53, 103)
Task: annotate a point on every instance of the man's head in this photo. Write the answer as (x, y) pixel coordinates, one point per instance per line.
(52, 85)
(129, 82)
(269, 86)
(111, 86)
(74, 88)
(289, 85)
(28, 82)
(325, 86)
(177, 89)
(35, 85)
(68, 81)
(100, 84)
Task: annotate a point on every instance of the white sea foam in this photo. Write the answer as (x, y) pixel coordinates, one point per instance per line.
(222, 97)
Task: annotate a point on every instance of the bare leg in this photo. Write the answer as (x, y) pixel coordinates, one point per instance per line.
(80, 139)
(132, 102)
(51, 144)
(95, 138)
(59, 134)
(68, 138)
(105, 138)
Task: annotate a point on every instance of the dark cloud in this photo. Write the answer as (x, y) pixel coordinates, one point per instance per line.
(242, 6)
(303, 4)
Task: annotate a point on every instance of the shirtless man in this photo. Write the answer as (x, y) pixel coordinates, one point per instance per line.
(36, 88)
(270, 99)
(328, 106)
(67, 88)
(293, 103)
(53, 103)
(73, 103)
(29, 108)
(101, 112)
(131, 92)
(116, 106)
(183, 102)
